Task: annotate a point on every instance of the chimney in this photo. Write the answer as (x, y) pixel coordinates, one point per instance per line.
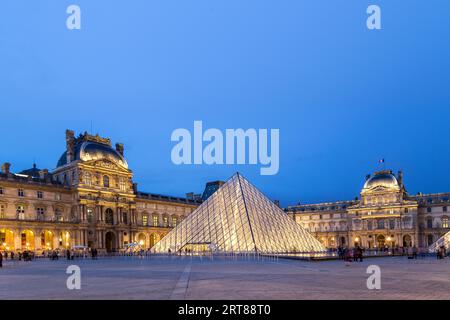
(70, 145)
(400, 178)
(135, 189)
(367, 177)
(119, 148)
(43, 174)
(5, 167)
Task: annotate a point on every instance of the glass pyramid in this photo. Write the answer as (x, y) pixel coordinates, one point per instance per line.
(238, 218)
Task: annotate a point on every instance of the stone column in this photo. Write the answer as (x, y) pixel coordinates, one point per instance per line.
(17, 240)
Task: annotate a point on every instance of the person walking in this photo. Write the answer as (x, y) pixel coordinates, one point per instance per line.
(1, 260)
(414, 254)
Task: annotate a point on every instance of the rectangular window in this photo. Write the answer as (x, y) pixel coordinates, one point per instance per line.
(174, 222)
(155, 221)
(90, 215)
(20, 211)
(166, 222)
(87, 178)
(2, 211)
(1, 190)
(20, 193)
(444, 209)
(40, 194)
(392, 224)
(445, 222)
(40, 214)
(145, 220)
(57, 196)
(380, 224)
(122, 184)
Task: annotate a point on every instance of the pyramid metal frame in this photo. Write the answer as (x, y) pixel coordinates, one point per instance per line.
(238, 218)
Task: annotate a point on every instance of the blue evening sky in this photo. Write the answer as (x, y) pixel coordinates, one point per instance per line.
(341, 95)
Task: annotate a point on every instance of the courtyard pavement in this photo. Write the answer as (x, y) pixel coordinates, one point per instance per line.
(225, 278)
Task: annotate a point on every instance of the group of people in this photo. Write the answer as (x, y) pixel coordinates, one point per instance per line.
(355, 254)
(441, 252)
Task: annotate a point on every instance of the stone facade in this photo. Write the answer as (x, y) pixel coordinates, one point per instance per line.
(89, 200)
(384, 215)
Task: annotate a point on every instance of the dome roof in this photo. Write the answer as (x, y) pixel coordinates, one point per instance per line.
(90, 150)
(382, 179)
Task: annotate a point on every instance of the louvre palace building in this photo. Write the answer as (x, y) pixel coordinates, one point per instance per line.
(88, 200)
(91, 201)
(385, 215)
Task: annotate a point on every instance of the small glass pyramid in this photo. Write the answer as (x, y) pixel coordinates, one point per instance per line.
(238, 218)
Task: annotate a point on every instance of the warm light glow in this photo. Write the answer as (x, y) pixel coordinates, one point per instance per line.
(141, 242)
(48, 244)
(356, 239)
(389, 239)
(4, 244)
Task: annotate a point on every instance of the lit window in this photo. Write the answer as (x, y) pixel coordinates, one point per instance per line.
(20, 210)
(155, 221)
(444, 222)
(166, 222)
(2, 211)
(40, 194)
(20, 193)
(57, 196)
(122, 184)
(174, 222)
(87, 178)
(144, 219)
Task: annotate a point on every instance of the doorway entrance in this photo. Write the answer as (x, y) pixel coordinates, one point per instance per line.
(110, 242)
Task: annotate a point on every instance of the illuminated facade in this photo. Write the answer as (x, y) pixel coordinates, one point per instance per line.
(238, 218)
(384, 215)
(88, 200)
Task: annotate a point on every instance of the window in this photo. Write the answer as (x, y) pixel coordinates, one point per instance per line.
(444, 209)
(122, 184)
(90, 215)
(125, 217)
(155, 221)
(106, 181)
(406, 210)
(109, 216)
(58, 215)
(87, 178)
(391, 224)
(165, 222)
(40, 194)
(429, 222)
(1, 190)
(430, 239)
(369, 225)
(57, 196)
(174, 222)
(40, 213)
(20, 211)
(429, 209)
(445, 222)
(144, 219)
(380, 224)
(20, 193)
(2, 211)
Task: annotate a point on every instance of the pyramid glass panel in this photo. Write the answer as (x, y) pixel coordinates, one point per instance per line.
(238, 218)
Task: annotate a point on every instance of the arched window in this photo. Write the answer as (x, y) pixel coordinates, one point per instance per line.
(109, 216)
(125, 217)
(106, 181)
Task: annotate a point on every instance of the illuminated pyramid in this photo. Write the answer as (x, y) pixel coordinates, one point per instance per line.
(238, 218)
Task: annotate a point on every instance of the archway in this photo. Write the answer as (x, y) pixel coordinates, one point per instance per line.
(27, 240)
(342, 241)
(47, 240)
(6, 240)
(381, 240)
(153, 239)
(110, 242)
(141, 239)
(332, 242)
(64, 239)
(407, 240)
